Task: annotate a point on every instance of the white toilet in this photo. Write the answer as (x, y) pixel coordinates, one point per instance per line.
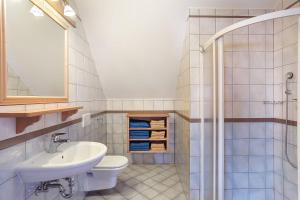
(105, 174)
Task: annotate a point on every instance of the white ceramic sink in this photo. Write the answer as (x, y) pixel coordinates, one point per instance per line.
(72, 158)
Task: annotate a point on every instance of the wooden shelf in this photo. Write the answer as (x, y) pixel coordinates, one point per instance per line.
(148, 116)
(33, 113)
(27, 118)
(148, 139)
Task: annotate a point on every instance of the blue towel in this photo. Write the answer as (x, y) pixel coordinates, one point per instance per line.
(139, 134)
(139, 149)
(139, 124)
(140, 144)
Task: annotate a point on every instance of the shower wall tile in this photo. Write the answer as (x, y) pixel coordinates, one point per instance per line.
(240, 164)
(240, 59)
(241, 76)
(207, 25)
(223, 23)
(240, 109)
(257, 164)
(249, 79)
(241, 42)
(194, 24)
(285, 40)
(257, 59)
(241, 93)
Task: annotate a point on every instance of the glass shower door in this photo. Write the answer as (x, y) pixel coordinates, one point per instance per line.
(207, 125)
(212, 122)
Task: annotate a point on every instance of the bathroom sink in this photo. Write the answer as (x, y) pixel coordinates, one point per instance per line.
(71, 158)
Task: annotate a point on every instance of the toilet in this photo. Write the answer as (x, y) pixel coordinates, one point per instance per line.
(105, 174)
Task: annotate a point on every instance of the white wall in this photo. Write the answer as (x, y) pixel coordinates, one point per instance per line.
(137, 43)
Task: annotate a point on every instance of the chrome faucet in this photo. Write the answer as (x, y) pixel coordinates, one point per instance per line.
(56, 141)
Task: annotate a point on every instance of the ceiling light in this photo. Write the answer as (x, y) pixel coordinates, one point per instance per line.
(36, 11)
(68, 11)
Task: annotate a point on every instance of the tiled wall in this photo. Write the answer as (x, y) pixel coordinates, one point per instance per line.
(249, 69)
(285, 176)
(250, 79)
(182, 126)
(85, 90)
(117, 139)
(249, 161)
(256, 61)
(248, 83)
(285, 60)
(248, 52)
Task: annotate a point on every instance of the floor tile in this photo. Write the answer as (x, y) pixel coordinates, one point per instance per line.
(144, 182)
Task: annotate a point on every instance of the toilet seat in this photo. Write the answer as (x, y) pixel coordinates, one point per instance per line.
(112, 162)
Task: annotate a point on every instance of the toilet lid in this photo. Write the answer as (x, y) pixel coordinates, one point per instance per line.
(112, 162)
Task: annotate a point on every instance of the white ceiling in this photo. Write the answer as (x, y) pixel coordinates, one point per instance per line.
(137, 44)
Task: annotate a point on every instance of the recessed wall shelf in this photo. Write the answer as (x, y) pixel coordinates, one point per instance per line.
(27, 118)
(148, 117)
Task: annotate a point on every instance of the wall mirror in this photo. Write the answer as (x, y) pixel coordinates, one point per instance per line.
(33, 53)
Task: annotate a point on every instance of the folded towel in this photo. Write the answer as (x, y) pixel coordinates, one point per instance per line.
(139, 149)
(158, 137)
(147, 149)
(143, 146)
(157, 145)
(158, 127)
(139, 144)
(158, 133)
(139, 132)
(139, 124)
(157, 124)
(160, 149)
(139, 137)
(157, 121)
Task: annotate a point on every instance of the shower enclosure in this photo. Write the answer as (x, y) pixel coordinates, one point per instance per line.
(248, 109)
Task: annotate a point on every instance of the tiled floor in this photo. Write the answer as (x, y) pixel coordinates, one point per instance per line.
(142, 182)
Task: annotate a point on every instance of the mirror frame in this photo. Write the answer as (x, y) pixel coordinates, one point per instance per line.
(15, 100)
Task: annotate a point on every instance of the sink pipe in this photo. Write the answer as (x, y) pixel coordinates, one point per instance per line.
(45, 186)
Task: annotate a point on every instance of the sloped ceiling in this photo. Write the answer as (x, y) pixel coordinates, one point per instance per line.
(137, 44)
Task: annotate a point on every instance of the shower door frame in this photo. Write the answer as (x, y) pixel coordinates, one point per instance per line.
(298, 107)
(218, 64)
